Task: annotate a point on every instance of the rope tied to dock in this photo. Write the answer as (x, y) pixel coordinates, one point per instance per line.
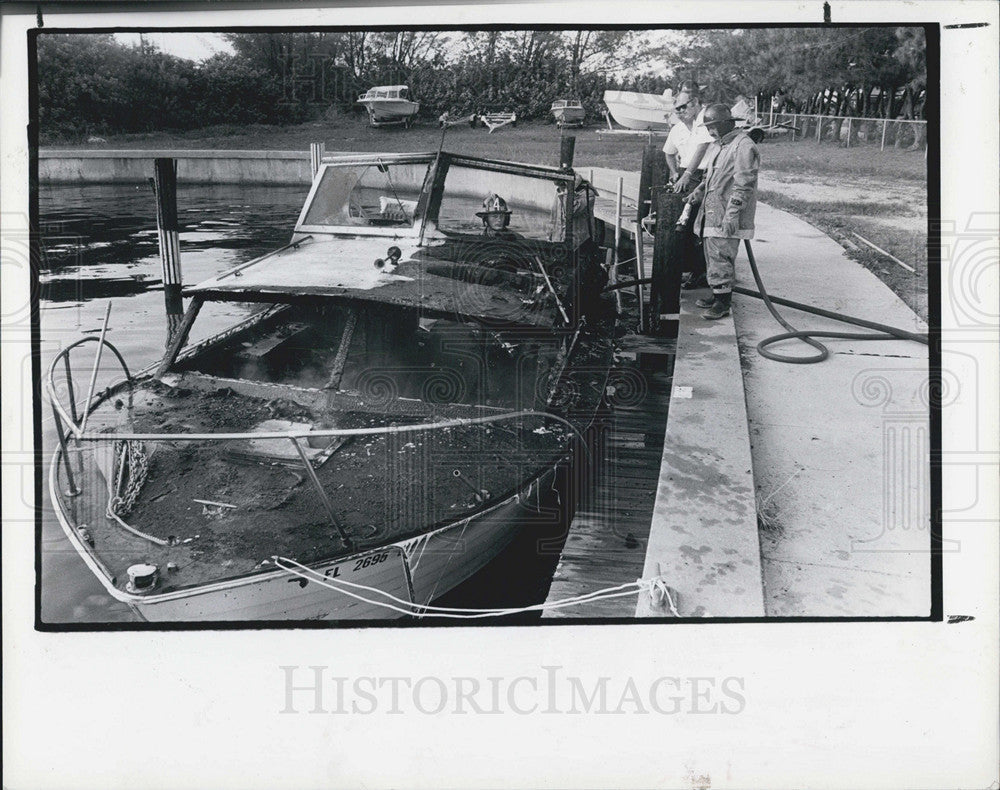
(660, 594)
(655, 587)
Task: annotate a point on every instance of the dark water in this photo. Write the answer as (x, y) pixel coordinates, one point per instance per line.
(101, 247)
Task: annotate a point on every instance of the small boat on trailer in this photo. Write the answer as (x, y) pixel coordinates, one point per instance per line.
(401, 394)
(568, 112)
(640, 111)
(389, 104)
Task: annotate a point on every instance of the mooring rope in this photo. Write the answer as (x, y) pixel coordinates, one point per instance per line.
(657, 588)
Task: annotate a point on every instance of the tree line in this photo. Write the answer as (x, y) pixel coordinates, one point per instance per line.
(93, 84)
(873, 72)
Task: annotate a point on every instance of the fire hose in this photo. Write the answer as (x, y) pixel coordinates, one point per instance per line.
(882, 331)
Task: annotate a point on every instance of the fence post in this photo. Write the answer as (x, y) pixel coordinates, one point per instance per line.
(848, 132)
(795, 119)
(165, 184)
(819, 128)
(885, 125)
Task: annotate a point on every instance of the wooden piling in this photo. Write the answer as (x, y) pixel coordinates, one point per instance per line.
(640, 271)
(567, 146)
(618, 240)
(644, 198)
(168, 235)
(664, 292)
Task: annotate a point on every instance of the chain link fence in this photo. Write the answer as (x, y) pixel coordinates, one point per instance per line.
(847, 130)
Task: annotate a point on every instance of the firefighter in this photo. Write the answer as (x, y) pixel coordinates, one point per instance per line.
(728, 198)
(496, 217)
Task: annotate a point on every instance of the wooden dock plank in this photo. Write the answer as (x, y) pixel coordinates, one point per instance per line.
(607, 540)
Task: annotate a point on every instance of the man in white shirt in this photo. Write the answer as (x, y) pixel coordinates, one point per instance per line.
(685, 153)
(687, 142)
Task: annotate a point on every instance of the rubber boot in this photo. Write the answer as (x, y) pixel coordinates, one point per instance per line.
(721, 307)
(705, 301)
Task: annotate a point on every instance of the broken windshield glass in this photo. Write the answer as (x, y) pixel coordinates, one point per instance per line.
(367, 195)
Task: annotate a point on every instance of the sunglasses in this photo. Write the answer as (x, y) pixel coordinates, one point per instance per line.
(680, 107)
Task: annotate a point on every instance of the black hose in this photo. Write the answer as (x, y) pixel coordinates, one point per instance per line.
(883, 331)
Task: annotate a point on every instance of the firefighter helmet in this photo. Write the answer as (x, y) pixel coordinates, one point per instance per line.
(494, 204)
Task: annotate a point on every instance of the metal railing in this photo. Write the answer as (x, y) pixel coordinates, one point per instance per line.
(71, 424)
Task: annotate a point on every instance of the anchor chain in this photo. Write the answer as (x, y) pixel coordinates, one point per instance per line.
(132, 467)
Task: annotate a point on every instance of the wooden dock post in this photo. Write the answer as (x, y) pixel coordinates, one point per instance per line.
(567, 147)
(168, 235)
(640, 275)
(665, 290)
(618, 240)
(316, 153)
(651, 155)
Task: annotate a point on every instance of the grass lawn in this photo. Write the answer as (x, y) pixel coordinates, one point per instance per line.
(880, 195)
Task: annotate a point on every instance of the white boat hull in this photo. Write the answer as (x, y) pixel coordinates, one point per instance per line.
(640, 111)
(386, 111)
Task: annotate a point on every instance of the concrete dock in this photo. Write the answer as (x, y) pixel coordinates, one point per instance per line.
(783, 490)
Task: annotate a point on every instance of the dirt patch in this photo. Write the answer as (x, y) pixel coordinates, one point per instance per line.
(891, 215)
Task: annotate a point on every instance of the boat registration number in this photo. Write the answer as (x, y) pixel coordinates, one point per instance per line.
(362, 564)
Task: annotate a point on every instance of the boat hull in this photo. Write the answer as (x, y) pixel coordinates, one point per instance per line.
(640, 111)
(389, 111)
(569, 116)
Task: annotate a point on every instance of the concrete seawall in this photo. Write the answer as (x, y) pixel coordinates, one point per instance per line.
(193, 167)
(73, 166)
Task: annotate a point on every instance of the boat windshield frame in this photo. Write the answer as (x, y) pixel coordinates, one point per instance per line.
(425, 217)
(370, 160)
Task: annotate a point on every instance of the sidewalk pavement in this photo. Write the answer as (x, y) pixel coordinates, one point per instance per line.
(841, 449)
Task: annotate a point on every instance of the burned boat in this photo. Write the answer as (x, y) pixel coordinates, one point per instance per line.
(410, 378)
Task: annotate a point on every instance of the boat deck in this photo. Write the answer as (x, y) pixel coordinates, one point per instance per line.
(330, 268)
